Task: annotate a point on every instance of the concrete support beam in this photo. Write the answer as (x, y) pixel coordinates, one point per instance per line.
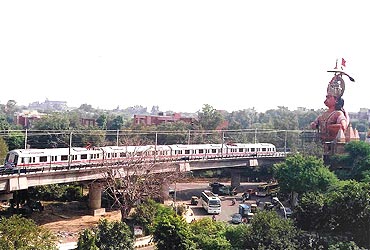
(6, 197)
(95, 190)
(235, 178)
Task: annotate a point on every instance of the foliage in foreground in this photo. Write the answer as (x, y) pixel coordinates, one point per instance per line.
(343, 210)
(210, 235)
(18, 233)
(173, 233)
(107, 235)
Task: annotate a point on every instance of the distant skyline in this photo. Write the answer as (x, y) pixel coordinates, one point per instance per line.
(180, 55)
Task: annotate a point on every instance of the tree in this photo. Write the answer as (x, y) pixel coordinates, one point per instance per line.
(48, 139)
(107, 235)
(282, 118)
(270, 231)
(343, 211)
(173, 233)
(302, 174)
(17, 233)
(4, 124)
(102, 121)
(209, 118)
(209, 235)
(349, 210)
(238, 236)
(145, 214)
(311, 212)
(356, 161)
(176, 133)
(15, 140)
(242, 119)
(138, 180)
(3, 150)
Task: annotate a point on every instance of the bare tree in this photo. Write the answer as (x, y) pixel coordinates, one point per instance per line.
(137, 180)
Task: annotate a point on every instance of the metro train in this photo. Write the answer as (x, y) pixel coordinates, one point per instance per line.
(23, 160)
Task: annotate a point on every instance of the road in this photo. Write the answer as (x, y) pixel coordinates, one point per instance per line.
(184, 192)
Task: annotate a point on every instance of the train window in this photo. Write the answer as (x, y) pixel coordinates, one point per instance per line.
(64, 158)
(213, 150)
(201, 151)
(43, 158)
(84, 157)
(108, 156)
(241, 150)
(253, 149)
(122, 154)
(264, 149)
(187, 151)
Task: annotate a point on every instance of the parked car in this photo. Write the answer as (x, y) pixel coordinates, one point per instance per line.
(227, 190)
(288, 211)
(236, 218)
(194, 200)
(268, 205)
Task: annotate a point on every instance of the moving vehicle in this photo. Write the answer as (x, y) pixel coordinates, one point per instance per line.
(267, 189)
(210, 202)
(23, 160)
(245, 196)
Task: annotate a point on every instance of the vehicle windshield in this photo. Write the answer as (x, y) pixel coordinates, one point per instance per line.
(214, 203)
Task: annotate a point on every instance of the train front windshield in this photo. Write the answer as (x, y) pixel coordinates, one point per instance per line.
(10, 160)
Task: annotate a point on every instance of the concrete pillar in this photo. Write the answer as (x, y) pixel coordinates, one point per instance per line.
(235, 178)
(95, 190)
(165, 191)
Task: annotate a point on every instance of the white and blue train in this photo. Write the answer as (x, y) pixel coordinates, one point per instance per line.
(58, 158)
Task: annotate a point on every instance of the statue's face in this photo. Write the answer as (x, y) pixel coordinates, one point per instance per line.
(330, 101)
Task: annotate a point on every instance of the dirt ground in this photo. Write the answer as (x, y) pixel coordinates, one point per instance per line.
(67, 220)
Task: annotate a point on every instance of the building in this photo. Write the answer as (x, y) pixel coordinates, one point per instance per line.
(88, 122)
(148, 120)
(49, 105)
(27, 117)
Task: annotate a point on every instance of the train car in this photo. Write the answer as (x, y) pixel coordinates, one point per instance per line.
(39, 159)
(60, 158)
(250, 149)
(196, 151)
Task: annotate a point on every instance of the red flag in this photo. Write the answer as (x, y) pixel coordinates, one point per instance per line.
(343, 62)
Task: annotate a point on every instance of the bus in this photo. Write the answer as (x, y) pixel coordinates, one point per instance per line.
(210, 202)
(267, 189)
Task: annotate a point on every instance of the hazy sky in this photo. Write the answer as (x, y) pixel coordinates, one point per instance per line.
(180, 55)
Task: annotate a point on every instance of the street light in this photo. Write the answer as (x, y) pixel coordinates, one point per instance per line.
(281, 204)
